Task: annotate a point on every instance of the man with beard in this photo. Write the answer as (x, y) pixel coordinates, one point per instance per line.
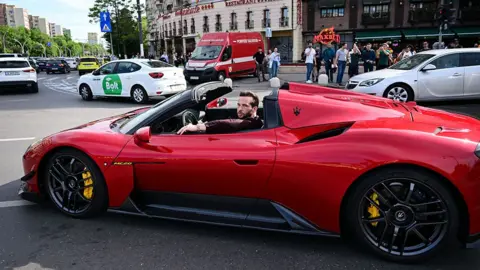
(247, 107)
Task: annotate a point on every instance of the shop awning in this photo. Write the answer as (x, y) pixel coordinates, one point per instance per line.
(376, 2)
(331, 3)
(378, 35)
(467, 31)
(425, 33)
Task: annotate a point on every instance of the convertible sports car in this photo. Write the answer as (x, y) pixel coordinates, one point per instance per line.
(397, 178)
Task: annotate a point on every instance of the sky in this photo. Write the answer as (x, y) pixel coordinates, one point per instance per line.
(70, 14)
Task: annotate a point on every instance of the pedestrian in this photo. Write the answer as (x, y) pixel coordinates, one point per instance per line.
(354, 58)
(309, 61)
(259, 57)
(275, 62)
(341, 62)
(368, 58)
(328, 57)
(318, 63)
(383, 57)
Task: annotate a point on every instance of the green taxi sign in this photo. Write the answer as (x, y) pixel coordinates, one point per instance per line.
(112, 85)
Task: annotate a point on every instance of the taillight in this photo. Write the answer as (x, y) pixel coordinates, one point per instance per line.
(61, 65)
(156, 75)
(48, 65)
(29, 70)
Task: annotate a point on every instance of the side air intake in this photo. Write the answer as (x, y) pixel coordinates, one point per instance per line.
(325, 134)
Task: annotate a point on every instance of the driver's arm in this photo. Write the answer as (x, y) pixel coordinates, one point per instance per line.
(219, 126)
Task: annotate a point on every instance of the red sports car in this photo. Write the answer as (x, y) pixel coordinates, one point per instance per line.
(397, 178)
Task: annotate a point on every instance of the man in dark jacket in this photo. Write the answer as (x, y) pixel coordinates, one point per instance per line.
(259, 57)
(328, 56)
(247, 107)
(369, 58)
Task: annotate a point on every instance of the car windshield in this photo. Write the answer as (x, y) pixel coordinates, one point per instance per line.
(206, 52)
(88, 60)
(55, 62)
(134, 121)
(156, 64)
(14, 64)
(411, 62)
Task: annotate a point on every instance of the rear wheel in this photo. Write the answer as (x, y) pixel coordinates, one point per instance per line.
(34, 88)
(74, 184)
(402, 215)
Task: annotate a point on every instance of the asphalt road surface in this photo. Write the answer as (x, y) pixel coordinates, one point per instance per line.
(38, 237)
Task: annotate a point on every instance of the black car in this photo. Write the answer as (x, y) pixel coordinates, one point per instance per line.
(42, 64)
(57, 66)
(34, 64)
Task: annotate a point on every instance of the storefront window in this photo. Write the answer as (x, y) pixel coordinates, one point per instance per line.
(332, 12)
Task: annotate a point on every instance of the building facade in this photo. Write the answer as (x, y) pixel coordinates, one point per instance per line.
(3, 14)
(21, 18)
(67, 32)
(93, 38)
(10, 12)
(176, 26)
(44, 26)
(58, 30)
(398, 22)
(51, 27)
(34, 21)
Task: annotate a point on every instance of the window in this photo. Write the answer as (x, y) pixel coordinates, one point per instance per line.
(127, 67)
(469, 59)
(88, 60)
(373, 9)
(426, 5)
(266, 18)
(447, 61)
(284, 12)
(14, 64)
(156, 64)
(332, 12)
(219, 18)
(411, 62)
(107, 69)
(205, 20)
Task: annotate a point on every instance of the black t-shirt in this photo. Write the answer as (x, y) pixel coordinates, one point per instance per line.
(259, 56)
(233, 125)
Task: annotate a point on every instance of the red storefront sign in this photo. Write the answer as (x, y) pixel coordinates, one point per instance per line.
(327, 36)
(193, 10)
(246, 2)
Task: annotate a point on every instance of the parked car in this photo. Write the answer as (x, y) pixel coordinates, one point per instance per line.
(451, 74)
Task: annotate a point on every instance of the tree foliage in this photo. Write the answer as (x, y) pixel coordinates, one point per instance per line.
(35, 42)
(125, 34)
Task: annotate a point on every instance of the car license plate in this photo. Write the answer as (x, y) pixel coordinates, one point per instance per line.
(54, 68)
(194, 78)
(12, 73)
(177, 87)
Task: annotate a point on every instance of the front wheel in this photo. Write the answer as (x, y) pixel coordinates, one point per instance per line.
(74, 184)
(399, 92)
(86, 92)
(404, 215)
(139, 95)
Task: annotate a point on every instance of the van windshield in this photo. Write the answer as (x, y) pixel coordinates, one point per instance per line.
(206, 52)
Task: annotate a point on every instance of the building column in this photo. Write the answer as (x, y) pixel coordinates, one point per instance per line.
(297, 30)
(184, 46)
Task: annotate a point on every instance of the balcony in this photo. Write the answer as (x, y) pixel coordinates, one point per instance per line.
(283, 22)
(206, 28)
(249, 24)
(218, 27)
(469, 14)
(192, 29)
(375, 18)
(185, 30)
(233, 26)
(266, 23)
(421, 15)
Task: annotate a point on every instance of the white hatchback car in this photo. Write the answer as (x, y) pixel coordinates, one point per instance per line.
(139, 79)
(447, 74)
(17, 73)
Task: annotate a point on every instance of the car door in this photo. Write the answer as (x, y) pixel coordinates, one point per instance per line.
(445, 81)
(232, 165)
(127, 72)
(471, 62)
(105, 81)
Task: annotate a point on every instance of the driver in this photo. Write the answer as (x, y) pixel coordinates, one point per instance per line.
(247, 107)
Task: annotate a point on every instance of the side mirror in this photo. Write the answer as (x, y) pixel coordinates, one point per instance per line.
(96, 72)
(219, 102)
(429, 67)
(142, 135)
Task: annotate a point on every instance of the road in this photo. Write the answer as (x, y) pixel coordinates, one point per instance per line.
(38, 237)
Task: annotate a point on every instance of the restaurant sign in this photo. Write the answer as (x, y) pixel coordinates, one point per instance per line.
(246, 2)
(193, 10)
(327, 36)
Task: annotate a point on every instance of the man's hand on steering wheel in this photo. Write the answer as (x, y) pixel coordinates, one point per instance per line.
(192, 128)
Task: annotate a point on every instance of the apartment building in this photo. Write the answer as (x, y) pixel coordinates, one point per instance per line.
(21, 17)
(51, 27)
(177, 25)
(93, 38)
(399, 22)
(34, 21)
(10, 15)
(3, 14)
(44, 26)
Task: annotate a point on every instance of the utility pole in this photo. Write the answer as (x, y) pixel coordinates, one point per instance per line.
(140, 31)
(442, 4)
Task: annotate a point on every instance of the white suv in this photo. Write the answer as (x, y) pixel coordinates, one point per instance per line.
(448, 74)
(17, 73)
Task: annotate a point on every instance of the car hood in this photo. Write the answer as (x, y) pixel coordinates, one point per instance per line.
(383, 74)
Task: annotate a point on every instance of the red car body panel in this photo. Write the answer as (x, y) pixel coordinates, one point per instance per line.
(312, 177)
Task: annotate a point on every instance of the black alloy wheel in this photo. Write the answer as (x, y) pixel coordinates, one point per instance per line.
(75, 185)
(404, 216)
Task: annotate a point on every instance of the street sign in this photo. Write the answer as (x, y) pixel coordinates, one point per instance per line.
(105, 22)
(49, 44)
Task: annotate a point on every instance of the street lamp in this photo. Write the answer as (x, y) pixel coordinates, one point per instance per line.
(44, 48)
(66, 48)
(4, 41)
(23, 45)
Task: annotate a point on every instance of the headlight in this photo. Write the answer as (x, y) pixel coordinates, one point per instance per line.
(211, 65)
(33, 145)
(371, 82)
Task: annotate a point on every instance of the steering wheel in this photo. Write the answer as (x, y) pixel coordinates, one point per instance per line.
(188, 117)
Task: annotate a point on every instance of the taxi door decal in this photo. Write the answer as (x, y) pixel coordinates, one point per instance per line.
(112, 85)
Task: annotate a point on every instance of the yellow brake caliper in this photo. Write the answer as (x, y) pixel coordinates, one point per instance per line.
(374, 213)
(87, 181)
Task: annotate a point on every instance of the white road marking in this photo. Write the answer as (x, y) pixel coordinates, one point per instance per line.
(9, 204)
(17, 139)
(39, 79)
(13, 100)
(69, 77)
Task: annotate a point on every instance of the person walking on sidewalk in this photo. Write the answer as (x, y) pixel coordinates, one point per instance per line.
(259, 58)
(369, 58)
(275, 62)
(309, 59)
(341, 62)
(328, 56)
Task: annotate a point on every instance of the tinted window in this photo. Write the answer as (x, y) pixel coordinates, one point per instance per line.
(447, 61)
(470, 59)
(108, 68)
(14, 64)
(6, 55)
(411, 62)
(206, 52)
(89, 60)
(127, 67)
(156, 64)
(54, 62)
